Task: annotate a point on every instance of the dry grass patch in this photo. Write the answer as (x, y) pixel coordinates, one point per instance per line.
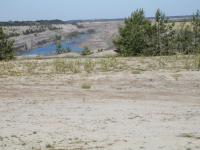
(89, 65)
(112, 64)
(31, 67)
(73, 66)
(61, 66)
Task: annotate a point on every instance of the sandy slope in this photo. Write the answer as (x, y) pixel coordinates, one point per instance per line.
(151, 110)
(100, 39)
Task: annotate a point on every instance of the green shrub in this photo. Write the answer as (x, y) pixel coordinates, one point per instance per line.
(49, 146)
(86, 51)
(139, 36)
(86, 86)
(60, 49)
(6, 47)
(135, 36)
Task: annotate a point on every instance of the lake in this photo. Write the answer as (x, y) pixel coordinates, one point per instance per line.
(48, 50)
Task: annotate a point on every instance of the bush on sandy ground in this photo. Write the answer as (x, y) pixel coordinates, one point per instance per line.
(86, 86)
(86, 51)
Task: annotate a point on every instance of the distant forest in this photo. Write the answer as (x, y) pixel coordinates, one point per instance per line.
(29, 23)
(56, 21)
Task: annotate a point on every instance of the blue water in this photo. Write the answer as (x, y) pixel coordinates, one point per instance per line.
(48, 50)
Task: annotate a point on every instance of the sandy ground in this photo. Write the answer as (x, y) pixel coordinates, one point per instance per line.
(151, 110)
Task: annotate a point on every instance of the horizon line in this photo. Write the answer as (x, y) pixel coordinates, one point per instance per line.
(92, 19)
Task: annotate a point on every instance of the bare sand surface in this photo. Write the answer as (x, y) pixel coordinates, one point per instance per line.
(123, 110)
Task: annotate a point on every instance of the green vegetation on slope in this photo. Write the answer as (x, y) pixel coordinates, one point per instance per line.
(6, 47)
(135, 65)
(140, 36)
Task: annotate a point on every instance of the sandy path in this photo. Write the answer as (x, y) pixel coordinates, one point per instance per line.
(122, 111)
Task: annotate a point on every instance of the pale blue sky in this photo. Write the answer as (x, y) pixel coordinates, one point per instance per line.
(90, 9)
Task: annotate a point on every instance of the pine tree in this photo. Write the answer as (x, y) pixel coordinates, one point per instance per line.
(6, 47)
(133, 38)
(196, 30)
(184, 39)
(164, 34)
(59, 48)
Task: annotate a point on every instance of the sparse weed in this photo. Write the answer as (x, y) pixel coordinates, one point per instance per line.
(23, 144)
(60, 66)
(49, 146)
(135, 65)
(8, 68)
(136, 71)
(74, 66)
(86, 86)
(109, 64)
(161, 63)
(89, 66)
(189, 135)
(197, 62)
(187, 64)
(177, 76)
(31, 67)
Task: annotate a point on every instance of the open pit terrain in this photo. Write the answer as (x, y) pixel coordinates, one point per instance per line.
(29, 37)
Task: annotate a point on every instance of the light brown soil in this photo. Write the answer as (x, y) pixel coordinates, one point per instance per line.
(123, 110)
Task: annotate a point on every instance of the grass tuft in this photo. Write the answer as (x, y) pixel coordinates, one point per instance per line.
(89, 66)
(49, 146)
(86, 86)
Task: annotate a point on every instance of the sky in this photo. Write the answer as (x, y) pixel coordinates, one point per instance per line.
(90, 9)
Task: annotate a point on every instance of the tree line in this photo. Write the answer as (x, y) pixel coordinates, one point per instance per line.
(140, 36)
(31, 23)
